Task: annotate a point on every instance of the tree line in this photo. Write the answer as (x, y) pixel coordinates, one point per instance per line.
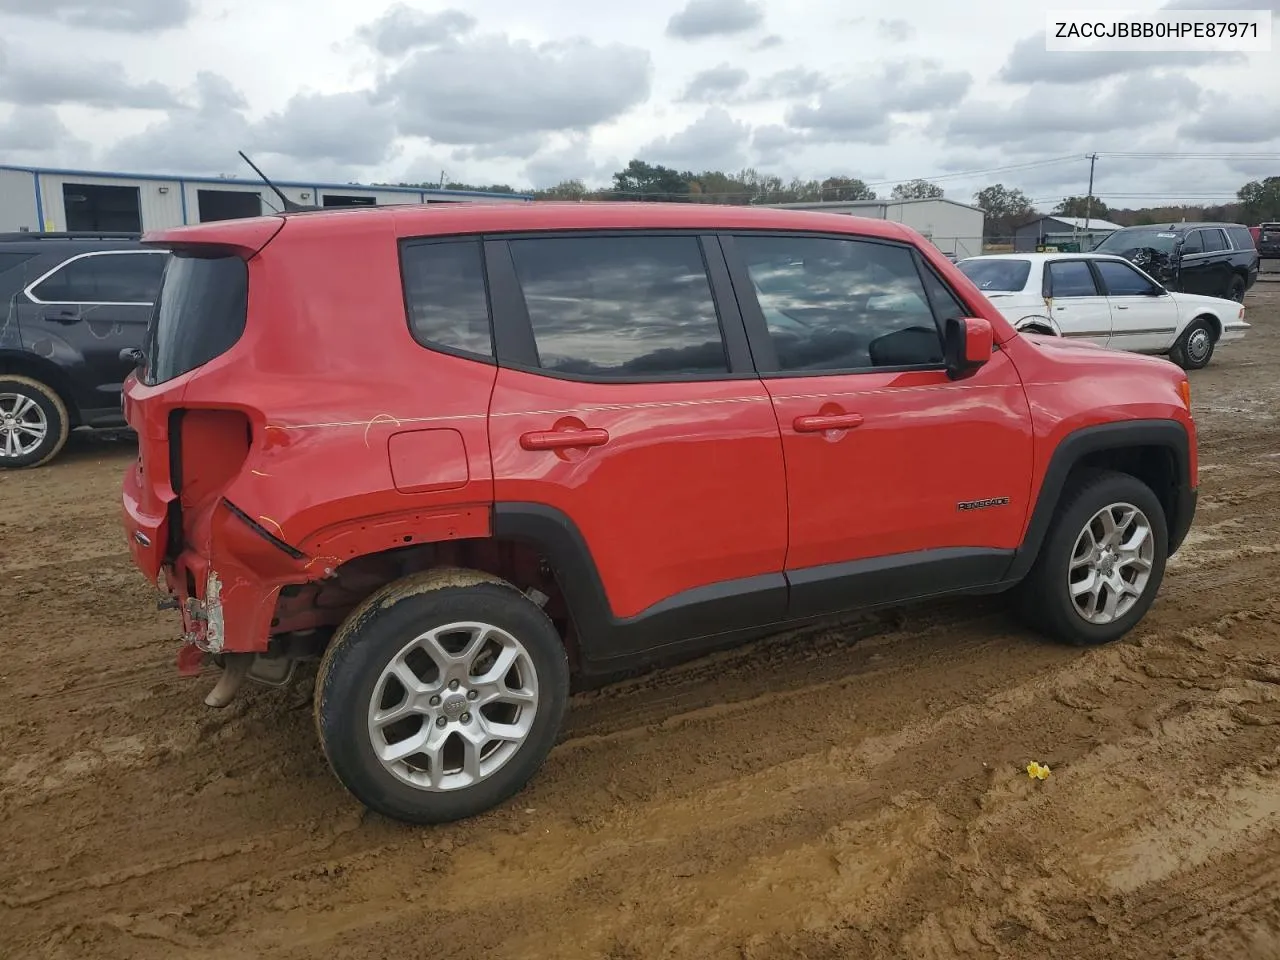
(1007, 208)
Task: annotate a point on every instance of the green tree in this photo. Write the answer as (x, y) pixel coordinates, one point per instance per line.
(1006, 209)
(916, 190)
(1260, 200)
(642, 181)
(1082, 207)
(847, 188)
(564, 190)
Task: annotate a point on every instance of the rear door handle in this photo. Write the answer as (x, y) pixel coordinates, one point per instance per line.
(1121, 306)
(62, 316)
(564, 439)
(822, 423)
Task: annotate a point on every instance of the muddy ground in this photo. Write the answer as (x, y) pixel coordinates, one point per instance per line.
(851, 792)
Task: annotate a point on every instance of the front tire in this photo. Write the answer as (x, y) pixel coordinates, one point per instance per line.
(1101, 563)
(1194, 348)
(441, 696)
(33, 422)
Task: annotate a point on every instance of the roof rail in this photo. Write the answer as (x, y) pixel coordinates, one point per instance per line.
(69, 235)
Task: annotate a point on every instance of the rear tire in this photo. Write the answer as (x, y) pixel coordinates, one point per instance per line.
(1194, 348)
(33, 422)
(1235, 289)
(1126, 568)
(441, 696)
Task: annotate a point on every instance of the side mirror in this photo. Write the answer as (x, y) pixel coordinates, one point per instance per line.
(132, 356)
(968, 345)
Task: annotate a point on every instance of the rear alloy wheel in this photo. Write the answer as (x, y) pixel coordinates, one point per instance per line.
(441, 696)
(33, 422)
(1194, 348)
(1101, 562)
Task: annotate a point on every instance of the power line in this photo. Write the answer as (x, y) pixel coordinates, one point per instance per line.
(963, 174)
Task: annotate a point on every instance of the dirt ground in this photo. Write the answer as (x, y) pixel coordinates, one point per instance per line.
(849, 792)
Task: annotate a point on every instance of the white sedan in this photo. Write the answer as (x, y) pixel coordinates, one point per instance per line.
(1107, 300)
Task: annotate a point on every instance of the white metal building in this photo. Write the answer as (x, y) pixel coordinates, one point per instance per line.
(55, 200)
(953, 227)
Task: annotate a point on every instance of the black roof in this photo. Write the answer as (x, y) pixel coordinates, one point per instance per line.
(25, 236)
(1181, 227)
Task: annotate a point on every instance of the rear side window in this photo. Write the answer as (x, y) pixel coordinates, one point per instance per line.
(843, 304)
(119, 278)
(1214, 240)
(445, 294)
(1071, 278)
(201, 313)
(620, 307)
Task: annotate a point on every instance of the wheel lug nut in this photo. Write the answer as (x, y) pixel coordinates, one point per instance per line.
(453, 684)
(471, 694)
(441, 721)
(434, 701)
(466, 718)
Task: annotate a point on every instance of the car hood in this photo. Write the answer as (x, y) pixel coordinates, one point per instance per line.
(1199, 302)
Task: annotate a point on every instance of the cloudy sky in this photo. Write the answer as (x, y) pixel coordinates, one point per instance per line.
(530, 94)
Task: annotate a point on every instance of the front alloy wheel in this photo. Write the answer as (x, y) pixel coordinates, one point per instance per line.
(1101, 561)
(1111, 563)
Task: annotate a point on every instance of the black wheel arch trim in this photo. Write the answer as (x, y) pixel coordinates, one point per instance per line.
(704, 617)
(1073, 448)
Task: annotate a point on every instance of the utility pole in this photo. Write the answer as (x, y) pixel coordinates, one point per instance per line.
(1088, 201)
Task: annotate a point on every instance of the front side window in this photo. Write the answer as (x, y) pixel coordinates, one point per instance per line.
(841, 304)
(445, 293)
(1194, 242)
(620, 307)
(1122, 280)
(1071, 278)
(115, 278)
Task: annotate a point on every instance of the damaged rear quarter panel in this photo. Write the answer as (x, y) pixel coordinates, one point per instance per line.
(318, 471)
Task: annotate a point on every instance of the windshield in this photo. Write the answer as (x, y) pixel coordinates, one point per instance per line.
(199, 315)
(1009, 276)
(1121, 240)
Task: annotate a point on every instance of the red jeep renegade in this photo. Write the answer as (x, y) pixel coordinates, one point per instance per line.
(460, 453)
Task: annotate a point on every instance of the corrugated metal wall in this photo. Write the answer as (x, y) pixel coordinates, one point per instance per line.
(159, 201)
(169, 202)
(952, 228)
(18, 201)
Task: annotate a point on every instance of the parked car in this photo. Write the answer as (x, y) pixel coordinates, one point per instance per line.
(77, 304)
(461, 454)
(1106, 300)
(1268, 239)
(1212, 259)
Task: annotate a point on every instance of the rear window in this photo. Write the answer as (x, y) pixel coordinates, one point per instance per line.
(1004, 276)
(199, 315)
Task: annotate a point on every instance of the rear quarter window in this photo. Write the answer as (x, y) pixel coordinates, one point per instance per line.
(200, 314)
(444, 292)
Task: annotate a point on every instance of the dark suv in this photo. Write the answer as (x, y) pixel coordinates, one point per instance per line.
(76, 306)
(1269, 240)
(1211, 259)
